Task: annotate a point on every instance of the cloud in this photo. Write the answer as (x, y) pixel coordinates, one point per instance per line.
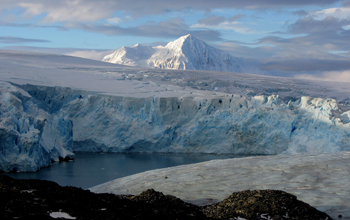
(335, 76)
(313, 39)
(339, 13)
(67, 10)
(311, 25)
(27, 25)
(168, 29)
(328, 34)
(17, 40)
(115, 20)
(77, 52)
(314, 45)
(236, 17)
(220, 22)
(92, 10)
(301, 13)
(274, 40)
(237, 50)
(307, 65)
(212, 20)
(346, 3)
(299, 61)
(41, 49)
(90, 54)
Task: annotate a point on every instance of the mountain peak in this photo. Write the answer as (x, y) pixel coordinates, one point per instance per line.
(185, 37)
(179, 43)
(188, 36)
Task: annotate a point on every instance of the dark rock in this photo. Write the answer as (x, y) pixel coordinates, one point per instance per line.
(28, 199)
(67, 158)
(263, 204)
(23, 199)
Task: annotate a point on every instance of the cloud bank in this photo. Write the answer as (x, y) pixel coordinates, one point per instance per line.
(334, 76)
(17, 40)
(90, 10)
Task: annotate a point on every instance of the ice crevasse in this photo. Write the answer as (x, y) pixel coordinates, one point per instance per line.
(41, 124)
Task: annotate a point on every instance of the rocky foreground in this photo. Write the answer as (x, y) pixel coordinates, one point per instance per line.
(39, 199)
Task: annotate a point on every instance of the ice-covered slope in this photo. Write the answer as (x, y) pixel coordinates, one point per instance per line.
(132, 56)
(113, 108)
(185, 53)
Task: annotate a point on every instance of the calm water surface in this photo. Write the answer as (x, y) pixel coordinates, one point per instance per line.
(89, 169)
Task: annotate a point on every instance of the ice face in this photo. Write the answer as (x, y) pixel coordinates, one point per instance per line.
(30, 137)
(257, 125)
(42, 124)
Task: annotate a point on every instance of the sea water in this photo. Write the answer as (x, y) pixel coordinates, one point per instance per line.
(90, 169)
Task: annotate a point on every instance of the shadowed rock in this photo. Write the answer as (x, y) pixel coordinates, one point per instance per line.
(39, 199)
(263, 204)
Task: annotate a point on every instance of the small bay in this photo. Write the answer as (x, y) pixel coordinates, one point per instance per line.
(91, 169)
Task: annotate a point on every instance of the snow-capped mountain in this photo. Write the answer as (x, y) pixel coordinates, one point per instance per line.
(187, 53)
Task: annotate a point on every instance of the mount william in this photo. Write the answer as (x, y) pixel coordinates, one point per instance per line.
(186, 53)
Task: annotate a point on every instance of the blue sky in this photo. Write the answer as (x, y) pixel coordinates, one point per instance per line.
(279, 36)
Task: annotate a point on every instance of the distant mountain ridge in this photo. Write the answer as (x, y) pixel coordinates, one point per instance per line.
(187, 53)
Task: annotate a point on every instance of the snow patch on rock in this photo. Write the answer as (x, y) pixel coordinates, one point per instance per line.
(61, 215)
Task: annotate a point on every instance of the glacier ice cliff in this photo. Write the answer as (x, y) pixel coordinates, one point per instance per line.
(40, 124)
(238, 125)
(30, 138)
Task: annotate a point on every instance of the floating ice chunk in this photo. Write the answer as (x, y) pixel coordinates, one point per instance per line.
(345, 117)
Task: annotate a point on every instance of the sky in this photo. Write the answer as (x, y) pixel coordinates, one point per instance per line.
(299, 38)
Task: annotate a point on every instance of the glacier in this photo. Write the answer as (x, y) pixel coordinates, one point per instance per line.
(54, 105)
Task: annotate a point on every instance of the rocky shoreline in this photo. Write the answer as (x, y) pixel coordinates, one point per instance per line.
(39, 199)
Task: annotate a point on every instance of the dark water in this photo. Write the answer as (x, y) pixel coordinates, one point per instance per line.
(90, 169)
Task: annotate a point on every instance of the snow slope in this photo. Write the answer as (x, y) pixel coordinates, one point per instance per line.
(185, 53)
(321, 180)
(72, 104)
